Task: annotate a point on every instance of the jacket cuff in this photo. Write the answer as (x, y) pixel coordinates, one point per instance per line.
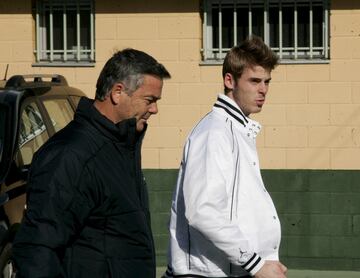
(254, 264)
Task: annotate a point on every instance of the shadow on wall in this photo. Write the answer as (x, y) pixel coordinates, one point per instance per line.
(144, 6)
(111, 6)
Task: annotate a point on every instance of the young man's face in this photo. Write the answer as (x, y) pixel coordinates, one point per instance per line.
(250, 90)
(141, 104)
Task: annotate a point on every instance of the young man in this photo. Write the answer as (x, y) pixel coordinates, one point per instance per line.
(223, 221)
(87, 204)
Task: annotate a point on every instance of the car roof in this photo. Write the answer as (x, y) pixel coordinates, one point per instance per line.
(40, 84)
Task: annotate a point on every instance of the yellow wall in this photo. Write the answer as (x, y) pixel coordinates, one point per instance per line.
(312, 116)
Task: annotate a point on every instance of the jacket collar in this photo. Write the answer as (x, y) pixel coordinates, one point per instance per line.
(124, 131)
(230, 108)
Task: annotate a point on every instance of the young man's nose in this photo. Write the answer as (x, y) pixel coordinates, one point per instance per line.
(263, 88)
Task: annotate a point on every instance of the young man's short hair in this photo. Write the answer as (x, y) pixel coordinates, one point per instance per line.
(251, 52)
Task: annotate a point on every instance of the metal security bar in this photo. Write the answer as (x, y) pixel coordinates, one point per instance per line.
(297, 30)
(65, 31)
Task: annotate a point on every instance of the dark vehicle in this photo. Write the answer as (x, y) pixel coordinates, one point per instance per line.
(32, 109)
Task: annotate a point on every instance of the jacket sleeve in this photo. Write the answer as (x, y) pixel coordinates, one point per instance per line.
(208, 189)
(59, 199)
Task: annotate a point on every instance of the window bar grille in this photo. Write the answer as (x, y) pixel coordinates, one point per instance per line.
(325, 28)
(235, 24)
(51, 33)
(64, 32)
(92, 31)
(205, 38)
(311, 29)
(250, 19)
(280, 31)
(38, 31)
(220, 30)
(295, 32)
(77, 31)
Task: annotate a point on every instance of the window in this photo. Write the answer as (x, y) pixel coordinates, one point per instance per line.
(297, 30)
(3, 116)
(32, 133)
(65, 32)
(75, 100)
(60, 112)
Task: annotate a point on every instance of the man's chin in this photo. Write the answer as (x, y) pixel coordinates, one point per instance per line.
(140, 125)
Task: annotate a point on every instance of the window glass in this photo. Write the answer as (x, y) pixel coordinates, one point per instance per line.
(318, 25)
(274, 27)
(303, 26)
(2, 130)
(258, 21)
(242, 23)
(76, 100)
(288, 27)
(32, 133)
(60, 112)
(227, 27)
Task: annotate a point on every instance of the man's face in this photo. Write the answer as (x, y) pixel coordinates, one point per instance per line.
(250, 90)
(141, 104)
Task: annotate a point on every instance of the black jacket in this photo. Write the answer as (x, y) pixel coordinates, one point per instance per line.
(87, 208)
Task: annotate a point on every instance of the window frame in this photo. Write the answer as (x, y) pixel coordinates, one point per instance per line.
(215, 55)
(42, 50)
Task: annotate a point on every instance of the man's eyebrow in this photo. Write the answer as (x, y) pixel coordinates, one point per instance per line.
(253, 78)
(259, 79)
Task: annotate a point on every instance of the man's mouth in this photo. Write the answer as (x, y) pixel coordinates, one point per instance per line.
(260, 102)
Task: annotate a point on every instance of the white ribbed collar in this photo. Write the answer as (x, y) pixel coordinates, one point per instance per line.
(228, 105)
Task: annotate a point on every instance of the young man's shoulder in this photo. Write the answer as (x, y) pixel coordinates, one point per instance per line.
(212, 123)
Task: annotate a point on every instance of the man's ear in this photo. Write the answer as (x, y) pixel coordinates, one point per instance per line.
(116, 91)
(229, 81)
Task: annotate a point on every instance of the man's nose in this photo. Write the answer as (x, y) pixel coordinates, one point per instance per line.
(153, 108)
(263, 87)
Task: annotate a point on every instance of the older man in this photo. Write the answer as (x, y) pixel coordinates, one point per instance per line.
(87, 208)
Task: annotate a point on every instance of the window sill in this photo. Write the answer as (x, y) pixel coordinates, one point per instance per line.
(64, 64)
(281, 62)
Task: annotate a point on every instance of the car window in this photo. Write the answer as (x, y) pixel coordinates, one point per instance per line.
(76, 100)
(60, 112)
(2, 130)
(32, 133)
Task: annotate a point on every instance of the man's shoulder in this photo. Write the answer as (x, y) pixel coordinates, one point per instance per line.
(74, 140)
(212, 123)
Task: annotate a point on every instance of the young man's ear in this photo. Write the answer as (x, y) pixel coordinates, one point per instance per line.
(229, 81)
(116, 91)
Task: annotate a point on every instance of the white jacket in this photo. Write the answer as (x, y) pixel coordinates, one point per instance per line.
(223, 221)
